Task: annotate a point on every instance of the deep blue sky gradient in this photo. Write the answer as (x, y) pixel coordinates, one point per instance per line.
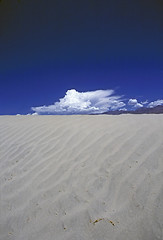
(50, 46)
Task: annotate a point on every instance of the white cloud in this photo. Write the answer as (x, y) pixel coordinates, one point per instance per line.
(155, 103)
(75, 102)
(134, 102)
(123, 109)
(34, 114)
(138, 105)
(145, 102)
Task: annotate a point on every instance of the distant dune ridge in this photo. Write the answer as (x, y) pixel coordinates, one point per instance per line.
(81, 177)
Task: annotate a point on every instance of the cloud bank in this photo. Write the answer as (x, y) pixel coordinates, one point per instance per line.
(155, 103)
(90, 102)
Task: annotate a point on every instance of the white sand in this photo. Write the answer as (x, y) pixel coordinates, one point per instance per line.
(81, 177)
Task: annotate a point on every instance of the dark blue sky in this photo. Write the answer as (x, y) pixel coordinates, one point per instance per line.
(50, 46)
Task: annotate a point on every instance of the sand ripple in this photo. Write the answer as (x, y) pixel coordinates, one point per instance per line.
(81, 177)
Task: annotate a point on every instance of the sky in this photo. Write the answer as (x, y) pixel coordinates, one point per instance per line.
(85, 56)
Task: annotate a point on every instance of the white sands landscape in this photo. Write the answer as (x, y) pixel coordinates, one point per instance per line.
(81, 177)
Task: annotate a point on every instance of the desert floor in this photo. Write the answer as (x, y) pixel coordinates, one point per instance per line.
(81, 177)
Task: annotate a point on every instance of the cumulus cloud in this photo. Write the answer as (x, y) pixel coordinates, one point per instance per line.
(134, 103)
(75, 102)
(155, 103)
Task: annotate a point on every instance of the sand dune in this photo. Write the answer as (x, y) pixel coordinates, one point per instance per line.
(81, 177)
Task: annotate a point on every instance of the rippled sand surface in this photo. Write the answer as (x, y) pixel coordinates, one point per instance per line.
(81, 177)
